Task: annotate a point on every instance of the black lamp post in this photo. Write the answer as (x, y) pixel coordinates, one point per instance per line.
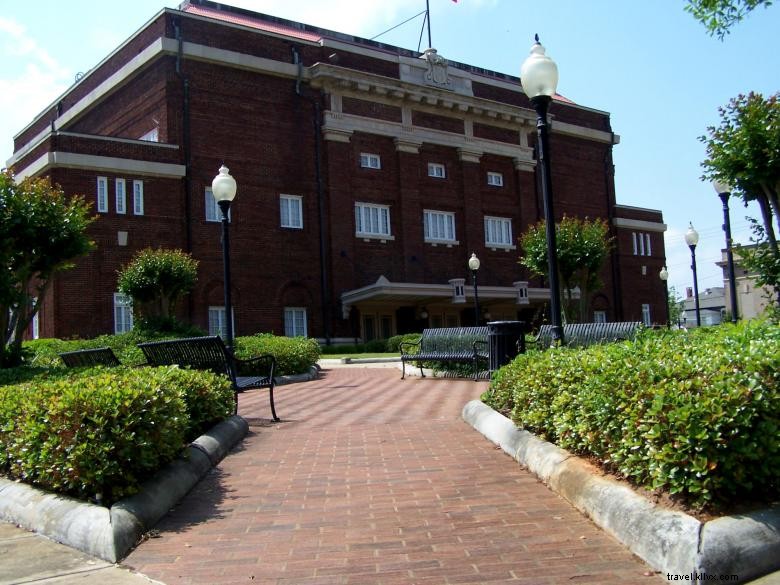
(692, 238)
(474, 266)
(224, 189)
(539, 77)
(664, 275)
(724, 191)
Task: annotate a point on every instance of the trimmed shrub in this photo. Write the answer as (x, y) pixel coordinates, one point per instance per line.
(294, 355)
(97, 434)
(394, 343)
(696, 414)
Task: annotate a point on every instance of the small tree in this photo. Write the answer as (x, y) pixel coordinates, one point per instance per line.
(676, 305)
(41, 232)
(718, 16)
(744, 151)
(583, 246)
(156, 280)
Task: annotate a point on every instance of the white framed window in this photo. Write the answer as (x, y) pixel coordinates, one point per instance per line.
(599, 316)
(218, 323)
(498, 232)
(641, 244)
(370, 161)
(138, 197)
(123, 313)
(495, 179)
(646, 315)
(291, 211)
(35, 323)
(152, 136)
(439, 226)
(121, 196)
(102, 195)
(295, 322)
(437, 170)
(372, 220)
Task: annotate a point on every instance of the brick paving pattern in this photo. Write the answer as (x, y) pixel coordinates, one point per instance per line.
(370, 480)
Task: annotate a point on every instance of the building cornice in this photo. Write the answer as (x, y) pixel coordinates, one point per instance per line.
(638, 224)
(105, 164)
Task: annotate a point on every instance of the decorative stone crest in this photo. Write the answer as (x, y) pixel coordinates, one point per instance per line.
(437, 68)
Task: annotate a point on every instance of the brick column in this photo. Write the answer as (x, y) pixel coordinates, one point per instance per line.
(408, 215)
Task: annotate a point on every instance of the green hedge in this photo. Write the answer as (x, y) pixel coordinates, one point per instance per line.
(294, 355)
(694, 414)
(96, 434)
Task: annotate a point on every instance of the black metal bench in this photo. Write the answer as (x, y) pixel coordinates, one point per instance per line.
(447, 344)
(210, 353)
(85, 358)
(585, 334)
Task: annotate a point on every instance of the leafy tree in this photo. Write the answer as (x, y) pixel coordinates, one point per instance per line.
(760, 260)
(583, 246)
(718, 16)
(676, 306)
(744, 151)
(41, 232)
(156, 280)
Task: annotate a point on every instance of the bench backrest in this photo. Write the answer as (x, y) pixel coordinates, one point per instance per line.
(200, 353)
(585, 334)
(451, 339)
(99, 356)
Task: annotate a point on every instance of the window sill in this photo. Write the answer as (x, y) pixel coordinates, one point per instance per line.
(382, 239)
(505, 247)
(448, 243)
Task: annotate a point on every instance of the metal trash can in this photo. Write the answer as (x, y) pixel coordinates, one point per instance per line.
(505, 340)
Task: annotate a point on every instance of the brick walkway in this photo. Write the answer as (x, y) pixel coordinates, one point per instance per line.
(372, 480)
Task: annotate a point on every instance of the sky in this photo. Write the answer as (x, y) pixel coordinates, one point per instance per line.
(651, 65)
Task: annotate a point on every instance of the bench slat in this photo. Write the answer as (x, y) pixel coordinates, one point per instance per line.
(83, 358)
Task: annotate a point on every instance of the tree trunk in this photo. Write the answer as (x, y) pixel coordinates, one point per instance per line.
(766, 214)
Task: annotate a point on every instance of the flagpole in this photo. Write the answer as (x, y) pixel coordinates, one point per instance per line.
(428, 16)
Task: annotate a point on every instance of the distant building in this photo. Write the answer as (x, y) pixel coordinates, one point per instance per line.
(712, 307)
(367, 175)
(752, 299)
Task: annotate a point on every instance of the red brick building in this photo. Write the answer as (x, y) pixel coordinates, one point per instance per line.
(367, 175)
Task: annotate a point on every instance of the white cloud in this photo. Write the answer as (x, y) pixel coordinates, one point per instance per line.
(30, 80)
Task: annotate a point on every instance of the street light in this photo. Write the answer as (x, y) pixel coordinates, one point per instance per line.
(224, 189)
(692, 238)
(474, 266)
(724, 190)
(664, 275)
(539, 77)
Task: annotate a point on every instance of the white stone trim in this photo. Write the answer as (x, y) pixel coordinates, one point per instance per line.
(103, 164)
(638, 224)
(567, 129)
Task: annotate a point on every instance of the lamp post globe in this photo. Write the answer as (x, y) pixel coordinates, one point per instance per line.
(664, 276)
(723, 190)
(474, 267)
(692, 239)
(539, 78)
(224, 189)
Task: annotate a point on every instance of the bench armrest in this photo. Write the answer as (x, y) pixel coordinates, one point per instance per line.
(247, 365)
(409, 344)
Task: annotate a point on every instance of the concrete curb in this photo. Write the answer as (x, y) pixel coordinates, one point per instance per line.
(312, 374)
(671, 542)
(110, 533)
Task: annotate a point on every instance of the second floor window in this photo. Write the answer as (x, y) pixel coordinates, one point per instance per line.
(372, 220)
(498, 231)
(641, 242)
(439, 226)
(290, 211)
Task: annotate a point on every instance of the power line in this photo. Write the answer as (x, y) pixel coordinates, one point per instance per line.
(397, 25)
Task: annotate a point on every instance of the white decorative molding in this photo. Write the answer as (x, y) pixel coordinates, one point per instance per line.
(335, 135)
(107, 164)
(467, 155)
(407, 145)
(639, 224)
